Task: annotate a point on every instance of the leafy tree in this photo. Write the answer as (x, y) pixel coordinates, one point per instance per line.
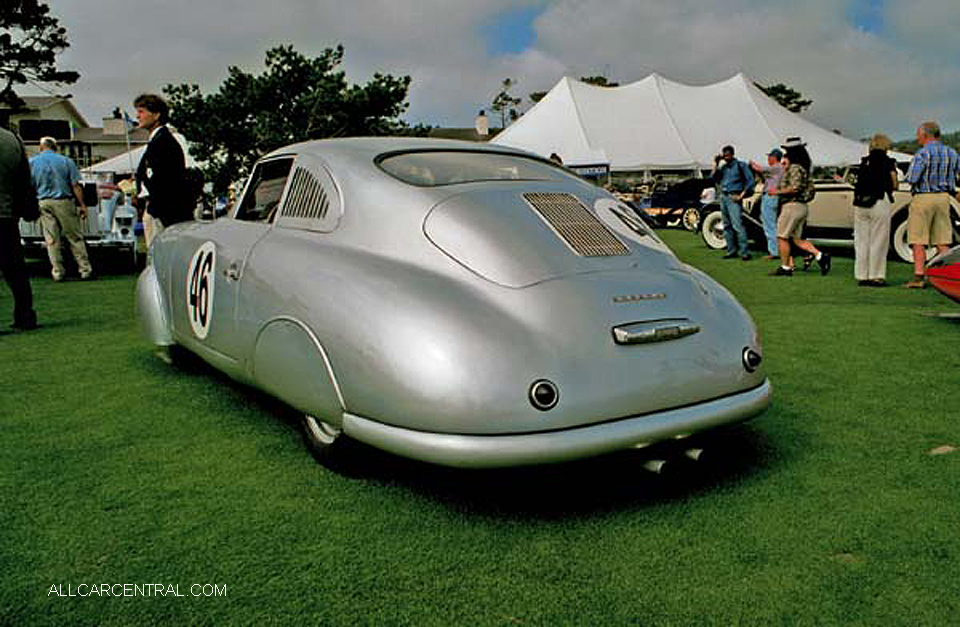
(295, 99)
(30, 39)
(599, 81)
(537, 96)
(789, 98)
(505, 104)
(912, 145)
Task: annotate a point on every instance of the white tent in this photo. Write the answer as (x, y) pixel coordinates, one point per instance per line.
(656, 124)
(127, 162)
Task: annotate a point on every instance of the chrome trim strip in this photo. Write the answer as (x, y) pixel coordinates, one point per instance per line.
(654, 331)
(323, 353)
(491, 451)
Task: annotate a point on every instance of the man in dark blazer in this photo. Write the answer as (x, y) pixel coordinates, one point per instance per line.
(161, 175)
(18, 199)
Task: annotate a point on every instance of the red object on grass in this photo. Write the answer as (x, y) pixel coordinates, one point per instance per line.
(944, 274)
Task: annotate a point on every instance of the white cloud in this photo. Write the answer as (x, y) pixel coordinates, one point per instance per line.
(860, 81)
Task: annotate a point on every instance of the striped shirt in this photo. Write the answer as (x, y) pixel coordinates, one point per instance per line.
(934, 169)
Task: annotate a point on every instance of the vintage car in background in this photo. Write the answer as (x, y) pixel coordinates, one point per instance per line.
(462, 304)
(830, 221)
(678, 204)
(110, 223)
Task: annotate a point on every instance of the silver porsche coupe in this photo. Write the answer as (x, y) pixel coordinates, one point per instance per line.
(458, 303)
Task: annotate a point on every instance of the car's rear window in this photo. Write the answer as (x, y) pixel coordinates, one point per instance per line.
(446, 167)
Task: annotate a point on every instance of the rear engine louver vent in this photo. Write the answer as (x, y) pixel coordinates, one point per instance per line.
(306, 198)
(576, 225)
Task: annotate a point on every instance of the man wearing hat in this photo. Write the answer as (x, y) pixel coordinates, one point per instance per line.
(769, 203)
(795, 191)
(735, 181)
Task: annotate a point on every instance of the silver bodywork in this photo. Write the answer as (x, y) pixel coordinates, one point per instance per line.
(417, 318)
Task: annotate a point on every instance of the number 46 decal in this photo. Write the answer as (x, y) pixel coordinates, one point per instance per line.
(200, 282)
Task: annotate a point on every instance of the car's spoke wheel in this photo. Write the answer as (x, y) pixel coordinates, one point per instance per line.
(711, 230)
(691, 218)
(330, 446)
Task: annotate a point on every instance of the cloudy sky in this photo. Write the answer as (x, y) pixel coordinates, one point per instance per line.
(868, 65)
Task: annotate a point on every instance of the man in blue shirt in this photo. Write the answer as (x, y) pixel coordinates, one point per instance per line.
(57, 181)
(735, 180)
(933, 177)
(769, 202)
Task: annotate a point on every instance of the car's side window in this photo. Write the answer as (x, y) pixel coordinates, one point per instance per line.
(263, 194)
(313, 200)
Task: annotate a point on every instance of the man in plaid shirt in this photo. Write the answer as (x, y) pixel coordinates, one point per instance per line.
(933, 178)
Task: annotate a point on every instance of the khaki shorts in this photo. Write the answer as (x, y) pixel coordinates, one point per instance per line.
(793, 217)
(929, 219)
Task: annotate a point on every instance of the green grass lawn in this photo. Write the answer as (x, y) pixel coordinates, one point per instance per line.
(828, 509)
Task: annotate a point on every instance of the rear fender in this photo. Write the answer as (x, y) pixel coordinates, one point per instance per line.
(290, 363)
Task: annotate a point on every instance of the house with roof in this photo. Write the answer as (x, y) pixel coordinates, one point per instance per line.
(57, 117)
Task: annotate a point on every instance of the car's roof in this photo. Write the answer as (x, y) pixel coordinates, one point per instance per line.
(371, 147)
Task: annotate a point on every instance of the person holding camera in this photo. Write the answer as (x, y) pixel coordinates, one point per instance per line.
(770, 203)
(735, 182)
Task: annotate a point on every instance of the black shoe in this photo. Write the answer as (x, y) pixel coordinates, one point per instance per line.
(27, 325)
(824, 263)
(781, 271)
(878, 283)
(865, 283)
(746, 257)
(807, 260)
(731, 256)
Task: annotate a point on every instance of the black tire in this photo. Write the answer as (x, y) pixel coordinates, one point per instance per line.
(330, 446)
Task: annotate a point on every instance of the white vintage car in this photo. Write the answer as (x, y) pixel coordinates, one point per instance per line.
(830, 221)
(462, 304)
(110, 224)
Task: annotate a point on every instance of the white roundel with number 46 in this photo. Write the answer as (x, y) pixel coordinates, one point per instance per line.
(200, 282)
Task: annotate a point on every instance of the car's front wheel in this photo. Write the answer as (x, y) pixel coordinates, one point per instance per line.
(330, 446)
(711, 230)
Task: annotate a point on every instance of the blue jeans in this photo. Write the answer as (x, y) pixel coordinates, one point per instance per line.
(734, 233)
(768, 213)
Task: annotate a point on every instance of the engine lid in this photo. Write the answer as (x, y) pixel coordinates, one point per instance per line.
(518, 238)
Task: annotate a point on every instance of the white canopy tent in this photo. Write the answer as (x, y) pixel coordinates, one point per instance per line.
(127, 162)
(657, 124)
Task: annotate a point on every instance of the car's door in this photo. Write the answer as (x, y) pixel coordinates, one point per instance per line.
(832, 207)
(216, 255)
(280, 266)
